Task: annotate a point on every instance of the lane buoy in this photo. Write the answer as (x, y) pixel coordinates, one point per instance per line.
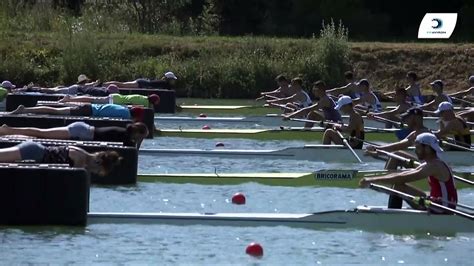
(202, 115)
(206, 127)
(220, 144)
(238, 198)
(254, 249)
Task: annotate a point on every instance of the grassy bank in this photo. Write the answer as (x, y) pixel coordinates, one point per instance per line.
(237, 67)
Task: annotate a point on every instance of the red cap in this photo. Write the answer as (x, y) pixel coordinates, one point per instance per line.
(138, 113)
(154, 99)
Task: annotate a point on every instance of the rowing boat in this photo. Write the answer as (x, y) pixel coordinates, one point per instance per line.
(362, 218)
(316, 152)
(315, 133)
(271, 120)
(320, 178)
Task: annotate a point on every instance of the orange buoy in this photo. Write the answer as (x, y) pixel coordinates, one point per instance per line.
(220, 144)
(238, 198)
(202, 115)
(254, 249)
(206, 127)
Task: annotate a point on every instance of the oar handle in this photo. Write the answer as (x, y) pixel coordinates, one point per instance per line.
(383, 119)
(419, 200)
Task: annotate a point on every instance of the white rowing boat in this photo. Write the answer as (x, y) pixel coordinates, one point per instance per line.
(362, 218)
(317, 152)
(271, 120)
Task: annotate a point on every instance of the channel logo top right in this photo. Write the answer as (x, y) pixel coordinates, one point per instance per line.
(437, 25)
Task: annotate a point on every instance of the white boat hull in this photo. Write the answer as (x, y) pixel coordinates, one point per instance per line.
(319, 153)
(271, 120)
(362, 218)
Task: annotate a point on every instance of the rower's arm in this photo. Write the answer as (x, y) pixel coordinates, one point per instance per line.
(282, 100)
(419, 173)
(337, 91)
(273, 92)
(386, 113)
(86, 99)
(304, 111)
(400, 145)
(460, 94)
(429, 106)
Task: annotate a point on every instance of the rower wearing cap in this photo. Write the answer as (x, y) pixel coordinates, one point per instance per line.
(166, 82)
(440, 176)
(298, 99)
(350, 89)
(355, 127)
(414, 89)
(151, 100)
(414, 120)
(437, 86)
(402, 107)
(451, 124)
(323, 109)
(367, 99)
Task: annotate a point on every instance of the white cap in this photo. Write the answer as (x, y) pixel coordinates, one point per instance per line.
(82, 78)
(170, 75)
(430, 140)
(343, 100)
(7, 85)
(471, 79)
(444, 106)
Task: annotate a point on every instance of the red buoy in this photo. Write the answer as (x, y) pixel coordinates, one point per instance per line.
(238, 198)
(254, 249)
(206, 127)
(219, 144)
(202, 115)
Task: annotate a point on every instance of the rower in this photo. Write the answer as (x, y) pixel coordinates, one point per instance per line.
(440, 176)
(414, 89)
(322, 110)
(298, 99)
(451, 124)
(350, 89)
(167, 82)
(414, 120)
(131, 135)
(151, 100)
(282, 91)
(402, 107)
(355, 127)
(437, 86)
(468, 94)
(367, 100)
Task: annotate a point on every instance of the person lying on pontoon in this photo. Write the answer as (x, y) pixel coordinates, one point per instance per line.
(414, 120)
(451, 124)
(91, 110)
(151, 100)
(321, 110)
(355, 128)
(437, 86)
(101, 163)
(440, 177)
(350, 89)
(394, 114)
(298, 99)
(73, 90)
(132, 135)
(282, 91)
(367, 100)
(466, 95)
(166, 82)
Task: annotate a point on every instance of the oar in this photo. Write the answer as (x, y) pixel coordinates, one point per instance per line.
(346, 143)
(416, 163)
(461, 100)
(383, 119)
(321, 123)
(456, 146)
(420, 201)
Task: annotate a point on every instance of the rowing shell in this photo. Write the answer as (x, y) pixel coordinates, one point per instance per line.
(272, 120)
(318, 153)
(320, 178)
(361, 218)
(315, 133)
